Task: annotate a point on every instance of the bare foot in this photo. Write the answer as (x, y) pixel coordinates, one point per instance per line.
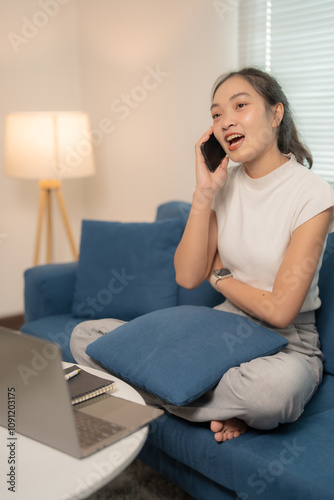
(228, 429)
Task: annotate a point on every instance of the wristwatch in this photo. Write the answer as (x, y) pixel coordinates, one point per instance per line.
(219, 274)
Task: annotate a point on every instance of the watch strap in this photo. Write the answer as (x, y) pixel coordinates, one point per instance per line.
(214, 280)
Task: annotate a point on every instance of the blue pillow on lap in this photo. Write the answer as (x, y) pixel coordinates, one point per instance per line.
(181, 352)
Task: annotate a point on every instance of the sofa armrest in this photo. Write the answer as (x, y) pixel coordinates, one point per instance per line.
(48, 290)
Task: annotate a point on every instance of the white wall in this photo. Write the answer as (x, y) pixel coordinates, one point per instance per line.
(148, 158)
(90, 55)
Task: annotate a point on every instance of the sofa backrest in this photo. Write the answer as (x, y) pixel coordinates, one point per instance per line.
(325, 315)
(206, 295)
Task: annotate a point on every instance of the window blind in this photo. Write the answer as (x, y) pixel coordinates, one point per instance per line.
(294, 40)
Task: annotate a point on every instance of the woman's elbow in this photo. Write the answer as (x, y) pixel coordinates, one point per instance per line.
(187, 281)
(280, 323)
(280, 319)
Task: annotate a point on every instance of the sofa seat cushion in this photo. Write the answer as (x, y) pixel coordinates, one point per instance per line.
(56, 329)
(126, 269)
(193, 445)
(293, 461)
(191, 481)
(180, 353)
(198, 485)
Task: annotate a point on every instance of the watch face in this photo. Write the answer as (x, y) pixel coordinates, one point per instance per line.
(220, 273)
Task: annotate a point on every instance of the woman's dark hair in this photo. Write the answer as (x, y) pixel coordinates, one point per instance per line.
(267, 86)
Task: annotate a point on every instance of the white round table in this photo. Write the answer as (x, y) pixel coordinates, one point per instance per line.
(45, 473)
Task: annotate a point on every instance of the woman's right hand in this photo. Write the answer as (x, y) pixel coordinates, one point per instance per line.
(208, 183)
(195, 253)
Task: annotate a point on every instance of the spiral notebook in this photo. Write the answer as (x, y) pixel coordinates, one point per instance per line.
(85, 386)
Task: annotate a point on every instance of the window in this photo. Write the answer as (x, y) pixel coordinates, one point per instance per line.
(294, 41)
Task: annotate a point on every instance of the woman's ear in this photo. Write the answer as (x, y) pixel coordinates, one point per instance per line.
(278, 114)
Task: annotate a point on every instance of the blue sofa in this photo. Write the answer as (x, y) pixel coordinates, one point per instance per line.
(293, 462)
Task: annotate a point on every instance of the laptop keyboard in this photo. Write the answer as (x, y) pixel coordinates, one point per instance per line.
(92, 430)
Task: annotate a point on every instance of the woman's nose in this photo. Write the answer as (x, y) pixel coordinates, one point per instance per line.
(228, 122)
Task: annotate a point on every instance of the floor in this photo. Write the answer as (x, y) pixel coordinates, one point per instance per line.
(14, 322)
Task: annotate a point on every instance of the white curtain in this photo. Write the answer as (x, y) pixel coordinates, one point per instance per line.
(294, 40)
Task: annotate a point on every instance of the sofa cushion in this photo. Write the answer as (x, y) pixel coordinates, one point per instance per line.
(205, 294)
(126, 269)
(325, 315)
(295, 461)
(180, 353)
(171, 209)
(292, 461)
(193, 444)
(274, 464)
(191, 481)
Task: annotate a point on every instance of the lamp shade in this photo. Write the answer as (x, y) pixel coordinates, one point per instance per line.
(48, 145)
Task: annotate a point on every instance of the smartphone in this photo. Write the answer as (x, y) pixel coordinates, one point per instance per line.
(213, 153)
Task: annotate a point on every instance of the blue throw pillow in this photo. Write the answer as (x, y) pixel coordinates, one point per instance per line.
(172, 209)
(205, 294)
(181, 352)
(126, 269)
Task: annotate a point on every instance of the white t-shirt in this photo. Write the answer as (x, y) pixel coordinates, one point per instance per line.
(256, 219)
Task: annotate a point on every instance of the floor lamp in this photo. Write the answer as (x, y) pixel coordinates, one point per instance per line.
(49, 146)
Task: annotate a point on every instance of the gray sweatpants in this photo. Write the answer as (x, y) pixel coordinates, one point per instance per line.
(264, 392)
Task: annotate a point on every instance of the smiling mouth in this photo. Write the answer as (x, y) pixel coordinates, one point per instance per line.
(234, 141)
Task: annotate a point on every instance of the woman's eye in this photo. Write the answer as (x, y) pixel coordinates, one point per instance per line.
(216, 115)
(241, 105)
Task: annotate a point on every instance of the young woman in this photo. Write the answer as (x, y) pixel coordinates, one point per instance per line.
(265, 222)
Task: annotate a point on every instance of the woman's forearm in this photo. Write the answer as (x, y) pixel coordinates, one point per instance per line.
(280, 306)
(198, 246)
(196, 249)
(271, 307)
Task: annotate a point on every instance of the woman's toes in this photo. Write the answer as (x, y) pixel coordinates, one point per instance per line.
(216, 425)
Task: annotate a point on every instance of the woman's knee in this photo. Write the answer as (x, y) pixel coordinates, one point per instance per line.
(87, 332)
(81, 337)
(272, 396)
(281, 408)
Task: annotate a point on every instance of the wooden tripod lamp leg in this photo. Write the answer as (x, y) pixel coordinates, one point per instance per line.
(42, 201)
(46, 187)
(48, 227)
(66, 222)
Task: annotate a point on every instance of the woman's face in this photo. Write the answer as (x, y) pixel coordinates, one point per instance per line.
(242, 123)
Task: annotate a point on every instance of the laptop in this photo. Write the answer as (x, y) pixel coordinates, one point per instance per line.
(38, 400)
